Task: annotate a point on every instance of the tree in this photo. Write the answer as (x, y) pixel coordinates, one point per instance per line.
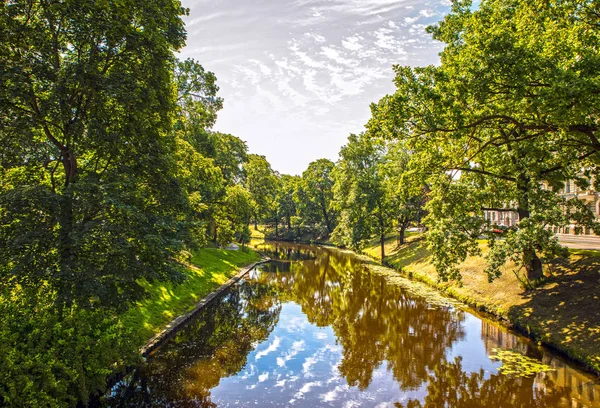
(86, 108)
(360, 195)
(90, 198)
(405, 187)
(261, 182)
(318, 190)
(287, 198)
(234, 215)
(484, 126)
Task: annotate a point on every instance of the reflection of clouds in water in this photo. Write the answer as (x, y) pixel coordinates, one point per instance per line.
(321, 335)
(272, 347)
(333, 394)
(351, 404)
(334, 348)
(306, 388)
(296, 324)
(249, 372)
(297, 347)
(385, 405)
(306, 366)
(320, 356)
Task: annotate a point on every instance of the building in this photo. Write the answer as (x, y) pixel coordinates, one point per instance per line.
(508, 218)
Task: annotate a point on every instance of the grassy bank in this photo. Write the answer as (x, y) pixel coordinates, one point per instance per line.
(563, 313)
(209, 268)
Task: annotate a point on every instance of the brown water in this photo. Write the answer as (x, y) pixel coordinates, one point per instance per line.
(315, 329)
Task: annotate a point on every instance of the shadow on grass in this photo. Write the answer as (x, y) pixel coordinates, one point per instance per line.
(415, 250)
(565, 311)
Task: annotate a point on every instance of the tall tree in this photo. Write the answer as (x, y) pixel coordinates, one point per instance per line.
(405, 187)
(86, 107)
(288, 207)
(484, 124)
(318, 192)
(360, 194)
(261, 182)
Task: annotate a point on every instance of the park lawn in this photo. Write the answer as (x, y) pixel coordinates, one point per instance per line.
(562, 312)
(209, 268)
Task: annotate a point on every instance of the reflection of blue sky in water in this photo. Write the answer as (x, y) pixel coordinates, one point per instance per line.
(472, 349)
(378, 345)
(297, 366)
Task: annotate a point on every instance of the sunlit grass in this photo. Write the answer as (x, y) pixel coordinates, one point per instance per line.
(211, 268)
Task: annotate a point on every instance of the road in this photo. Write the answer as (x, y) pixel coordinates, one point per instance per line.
(580, 242)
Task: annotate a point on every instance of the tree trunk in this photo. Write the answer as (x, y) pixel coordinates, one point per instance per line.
(533, 265)
(401, 239)
(382, 242)
(324, 209)
(531, 261)
(66, 225)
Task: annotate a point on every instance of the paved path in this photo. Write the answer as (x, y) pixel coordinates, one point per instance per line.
(580, 242)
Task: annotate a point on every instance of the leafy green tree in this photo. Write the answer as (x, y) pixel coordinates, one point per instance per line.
(261, 182)
(360, 195)
(484, 126)
(88, 200)
(405, 188)
(287, 198)
(318, 194)
(230, 155)
(234, 216)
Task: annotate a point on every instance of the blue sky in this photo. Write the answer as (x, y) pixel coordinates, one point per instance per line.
(298, 76)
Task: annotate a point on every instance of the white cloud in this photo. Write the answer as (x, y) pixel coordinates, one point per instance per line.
(305, 74)
(272, 347)
(307, 366)
(306, 388)
(352, 43)
(296, 348)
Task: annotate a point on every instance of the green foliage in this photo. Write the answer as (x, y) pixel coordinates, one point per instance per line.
(360, 196)
(494, 127)
(85, 118)
(109, 170)
(49, 360)
(316, 195)
(262, 183)
(234, 216)
(375, 191)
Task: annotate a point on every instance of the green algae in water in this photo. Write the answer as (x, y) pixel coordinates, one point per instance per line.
(515, 363)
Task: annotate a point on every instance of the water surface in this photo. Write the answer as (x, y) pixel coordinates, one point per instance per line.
(316, 329)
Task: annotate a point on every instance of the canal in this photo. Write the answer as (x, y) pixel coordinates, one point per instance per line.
(315, 328)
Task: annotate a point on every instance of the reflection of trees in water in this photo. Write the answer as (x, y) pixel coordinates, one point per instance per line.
(582, 386)
(285, 252)
(214, 346)
(449, 386)
(374, 322)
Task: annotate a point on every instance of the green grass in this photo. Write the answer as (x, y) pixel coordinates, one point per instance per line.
(211, 267)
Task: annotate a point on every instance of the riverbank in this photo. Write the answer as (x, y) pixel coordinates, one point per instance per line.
(562, 313)
(208, 269)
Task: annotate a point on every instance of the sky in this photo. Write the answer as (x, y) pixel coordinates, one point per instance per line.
(298, 76)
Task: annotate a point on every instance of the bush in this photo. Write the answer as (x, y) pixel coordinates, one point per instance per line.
(56, 359)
